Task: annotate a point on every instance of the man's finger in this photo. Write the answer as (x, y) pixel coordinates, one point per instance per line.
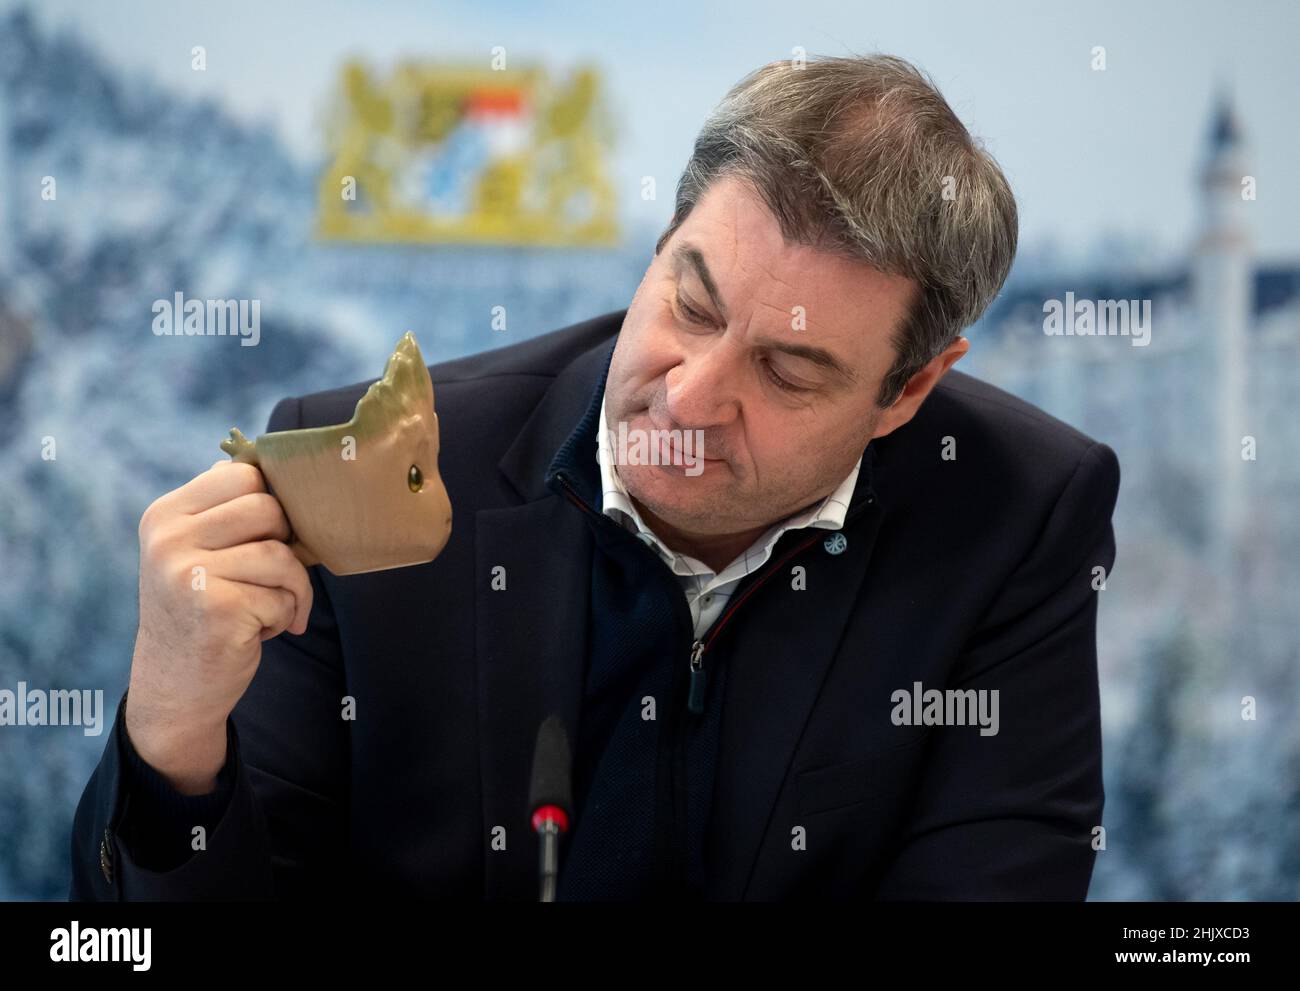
(224, 481)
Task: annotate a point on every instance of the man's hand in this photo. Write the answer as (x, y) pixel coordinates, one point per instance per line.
(216, 580)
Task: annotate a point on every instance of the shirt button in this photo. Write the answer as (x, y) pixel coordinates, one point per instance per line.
(708, 599)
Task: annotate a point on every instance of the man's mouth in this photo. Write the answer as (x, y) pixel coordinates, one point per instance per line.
(672, 455)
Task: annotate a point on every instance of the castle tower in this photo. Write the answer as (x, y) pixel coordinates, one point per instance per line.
(1222, 288)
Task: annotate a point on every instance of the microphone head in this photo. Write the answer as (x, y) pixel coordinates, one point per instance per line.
(551, 782)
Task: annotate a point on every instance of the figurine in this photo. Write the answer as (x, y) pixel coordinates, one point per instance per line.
(363, 495)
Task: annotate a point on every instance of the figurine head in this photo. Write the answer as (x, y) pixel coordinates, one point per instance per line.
(363, 495)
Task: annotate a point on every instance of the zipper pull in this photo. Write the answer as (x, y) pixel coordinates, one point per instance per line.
(695, 698)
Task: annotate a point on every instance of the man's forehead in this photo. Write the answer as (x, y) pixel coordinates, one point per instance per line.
(796, 276)
(838, 337)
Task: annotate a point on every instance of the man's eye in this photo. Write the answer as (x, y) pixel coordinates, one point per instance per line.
(692, 314)
(695, 316)
(779, 382)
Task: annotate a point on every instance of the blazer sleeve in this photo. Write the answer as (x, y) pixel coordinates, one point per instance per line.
(281, 804)
(1011, 815)
(158, 826)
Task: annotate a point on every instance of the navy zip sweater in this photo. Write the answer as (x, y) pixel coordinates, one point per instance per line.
(645, 765)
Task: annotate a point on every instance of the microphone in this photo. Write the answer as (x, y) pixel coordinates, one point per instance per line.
(550, 797)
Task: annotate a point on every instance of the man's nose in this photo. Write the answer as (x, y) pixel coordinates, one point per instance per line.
(702, 389)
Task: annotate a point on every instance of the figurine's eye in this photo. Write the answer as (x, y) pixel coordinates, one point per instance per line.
(415, 478)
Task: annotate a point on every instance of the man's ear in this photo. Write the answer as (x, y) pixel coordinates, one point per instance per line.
(918, 387)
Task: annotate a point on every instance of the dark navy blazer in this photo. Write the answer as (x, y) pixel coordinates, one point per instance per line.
(976, 573)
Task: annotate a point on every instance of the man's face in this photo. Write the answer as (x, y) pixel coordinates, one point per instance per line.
(775, 353)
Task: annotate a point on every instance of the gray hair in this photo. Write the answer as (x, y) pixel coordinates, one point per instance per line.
(863, 157)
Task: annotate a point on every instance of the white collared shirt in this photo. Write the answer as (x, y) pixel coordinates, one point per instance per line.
(707, 592)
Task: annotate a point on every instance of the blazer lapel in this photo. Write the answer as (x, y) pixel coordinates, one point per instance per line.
(781, 653)
(531, 636)
(532, 650)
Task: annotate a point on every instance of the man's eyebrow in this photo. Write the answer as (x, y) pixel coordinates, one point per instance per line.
(818, 356)
(686, 253)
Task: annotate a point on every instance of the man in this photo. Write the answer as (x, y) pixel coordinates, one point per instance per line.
(847, 653)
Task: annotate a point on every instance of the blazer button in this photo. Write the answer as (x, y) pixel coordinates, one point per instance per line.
(106, 858)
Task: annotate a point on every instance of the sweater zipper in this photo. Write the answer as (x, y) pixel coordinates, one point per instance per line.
(698, 675)
(695, 697)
